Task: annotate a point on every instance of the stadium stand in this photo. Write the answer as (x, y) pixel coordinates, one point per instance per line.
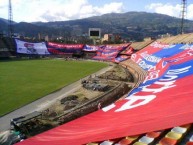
(10, 43)
(4, 50)
(2, 44)
(189, 39)
(135, 44)
(7, 47)
(164, 137)
(167, 40)
(140, 45)
(178, 135)
(173, 136)
(181, 38)
(173, 40)
(138, 73)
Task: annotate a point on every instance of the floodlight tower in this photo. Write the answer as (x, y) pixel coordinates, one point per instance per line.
(10, 20)
(183, 14)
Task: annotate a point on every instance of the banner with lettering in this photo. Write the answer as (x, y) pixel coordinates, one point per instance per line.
(91, 48)
(31, 48)
(147, 58)
(162, 101)
(121, 58)
(110, 52)
(57, 48)
(129, 51)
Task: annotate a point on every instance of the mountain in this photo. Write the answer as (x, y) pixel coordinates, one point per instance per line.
(4, 20)
(3, 25)
(131, 25)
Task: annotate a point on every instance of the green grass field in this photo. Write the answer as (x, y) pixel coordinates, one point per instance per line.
(24, 81)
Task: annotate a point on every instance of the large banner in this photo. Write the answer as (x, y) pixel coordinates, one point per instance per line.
(121, 58)
(57, 48)
(162, 101)
(128, 51)
(91, 48)
(110, 52)
(153, 54)
(31, 48)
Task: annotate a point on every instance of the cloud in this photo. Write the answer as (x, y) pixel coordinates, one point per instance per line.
(190, 12)
(4, 9)
(56, 10)
(79, 9)
(169, 9)
(110, 8)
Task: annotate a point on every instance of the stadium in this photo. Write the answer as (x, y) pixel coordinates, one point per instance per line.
(134, 93)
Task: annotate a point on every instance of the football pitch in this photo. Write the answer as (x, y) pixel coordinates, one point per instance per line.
(24, 81)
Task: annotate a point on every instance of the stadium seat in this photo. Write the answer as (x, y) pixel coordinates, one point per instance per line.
(173, 135)
(132, 137)
(106, 143)
(153, 134)
(180, 130)
(139, 143)
(116, 139)
(125, 141)
(146, 139)
(167, 141)
(92, 144)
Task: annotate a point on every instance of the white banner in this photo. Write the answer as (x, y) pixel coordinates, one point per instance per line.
(31, 48)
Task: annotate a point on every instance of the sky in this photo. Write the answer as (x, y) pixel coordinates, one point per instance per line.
(63, 10)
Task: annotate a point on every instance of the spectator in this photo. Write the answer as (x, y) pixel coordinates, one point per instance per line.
(99, 106)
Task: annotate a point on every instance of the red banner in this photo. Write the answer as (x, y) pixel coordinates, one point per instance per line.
(163, 100)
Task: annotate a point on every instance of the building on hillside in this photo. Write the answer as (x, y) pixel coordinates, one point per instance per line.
(149, 38)
(111, 38)
(47, 38)
(39, 36)
(164, 35)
